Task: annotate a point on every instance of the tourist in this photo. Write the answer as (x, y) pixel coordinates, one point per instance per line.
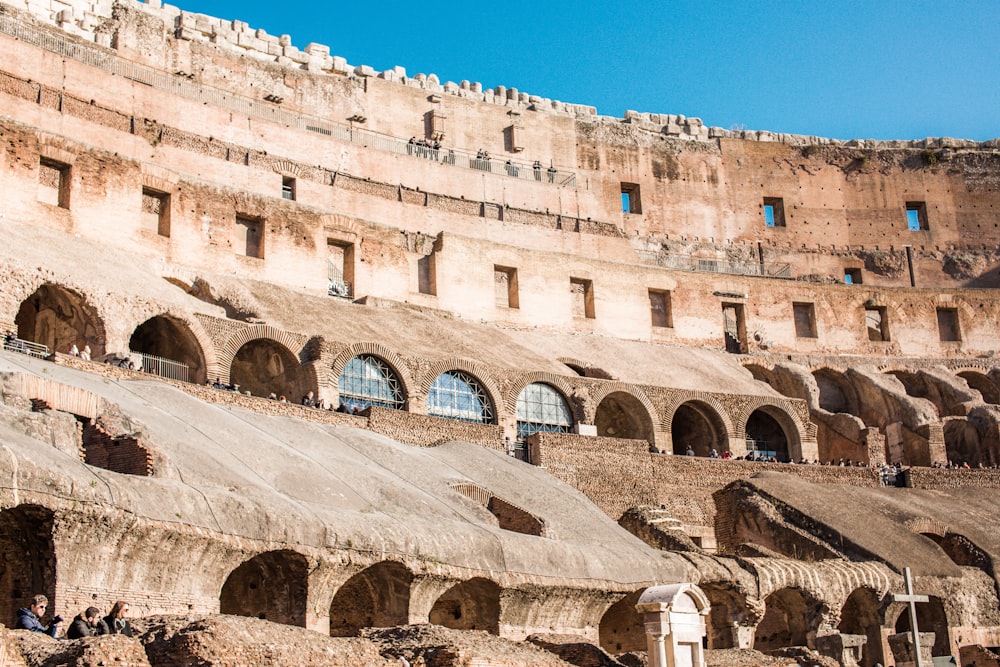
(87, 624)
(30, 618)
(116, 621)
(85, 355)
(74, 351)
(537, 167)
(308, 400)
(689, 452)
(552, 174)
(714, 454)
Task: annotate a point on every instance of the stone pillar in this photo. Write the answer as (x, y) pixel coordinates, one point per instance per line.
(902, 649)
(674, 618)
(845, 649)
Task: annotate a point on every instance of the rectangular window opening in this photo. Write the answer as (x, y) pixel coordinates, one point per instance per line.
(505, 279)
(916, 216)
(582, 291)
(53, 182)
(427, 274)
(659, 308)
(804, 315)
(156, 211)
(249, 239)
(875, 322)
(852, 276)
(288, 188)
(774, 211)
(631, 202)
(948, 327)
(735, 328)
(340, 268)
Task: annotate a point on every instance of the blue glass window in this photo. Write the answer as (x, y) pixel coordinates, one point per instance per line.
(457, 395)
(541, 407)
(367, 380)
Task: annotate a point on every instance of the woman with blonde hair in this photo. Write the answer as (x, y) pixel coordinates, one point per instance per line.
(116, 622)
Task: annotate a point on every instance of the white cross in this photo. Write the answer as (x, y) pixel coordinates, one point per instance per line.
(912, 601)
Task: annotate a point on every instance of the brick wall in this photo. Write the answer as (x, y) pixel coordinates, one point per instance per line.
(940, 478)
(122, 454)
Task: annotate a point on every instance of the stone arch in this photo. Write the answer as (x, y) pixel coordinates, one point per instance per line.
(272, 586)
(178, 339)
(621, 629)
(585, 369)
(770, 425)
(383, 354)
(623, 414)
(478, 371)
(546, 407)
(27, 557)
(962, 442)
(916, 387)
(227, 351)
(836, 393)
(962, 551)
(60, 318)
(470, 605)
(790, 615)
(558, 382)
(931, 617)
(861, 614)
(762, 373)
(729, 612)
(263, 365)
(699, 425)
(979, 381)
(376, 597)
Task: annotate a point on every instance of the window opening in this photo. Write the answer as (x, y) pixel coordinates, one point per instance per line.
(774, 211)
(875, 321)
(735, 328)
(156, 211)
(852, 276)
(367, 380)
(288, 188)
(582, 291)
(659, 308)
(505, 279)
(804, 315)
(541, 407)
(340, 269)
(916, 216)
(631, 202)
(249, 237)
(53, 182)
(948, 328)
(457, 395)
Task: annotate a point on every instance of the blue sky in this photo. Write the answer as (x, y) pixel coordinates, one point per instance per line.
(846, 70)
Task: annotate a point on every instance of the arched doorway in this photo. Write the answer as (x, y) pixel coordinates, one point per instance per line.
(27, 557)
(376, 597)
(263, 366)
(787, 620)
(961, 441)
(621, 629)
(697, 426)
(622, 415)
(728, 613)
(835, 393)
(60, 318)
(930, 618)
(171, 339)
(860, 616)
(270, 586)
(542, 407)
(368, 380)
(766, 437)
(470, 605)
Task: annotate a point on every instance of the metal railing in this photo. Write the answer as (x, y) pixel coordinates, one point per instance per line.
(339, 288)
(181, 86)
(154, 365)
(709, 265)
(26, 347)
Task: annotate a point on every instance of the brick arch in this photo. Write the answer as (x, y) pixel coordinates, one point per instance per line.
(393, 360)
(796, 431)
(601, 391)
(764, 370)
(204, 342)
(227, 351)
(557, 381)
(926, 525)
(710, 401)
(477, 370)
(92, 313)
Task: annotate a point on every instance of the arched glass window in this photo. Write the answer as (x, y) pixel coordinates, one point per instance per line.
(368, 380)
(457, 395)
(541, 407)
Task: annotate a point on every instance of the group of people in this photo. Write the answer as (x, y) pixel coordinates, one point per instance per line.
(88, 623)
(310, 401)
(83, 354)
(423, 148)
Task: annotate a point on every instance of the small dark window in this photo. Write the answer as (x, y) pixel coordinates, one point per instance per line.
(774, 211)
(916, 216)
(948, 328)
(805, 320)
(659, 308)
(631, 202)
(156, 211)
(288, 188)
(852, 276)
(582, 291)
(249, 239)
(875, 322)
(505, 279)
(53, 182)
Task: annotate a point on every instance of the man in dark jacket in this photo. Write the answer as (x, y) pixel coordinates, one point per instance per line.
(29, 618)
(85, 624)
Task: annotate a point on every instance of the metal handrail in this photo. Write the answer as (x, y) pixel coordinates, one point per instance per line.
(710, 265)
(182, 87)
(154, 365)
(26, 347)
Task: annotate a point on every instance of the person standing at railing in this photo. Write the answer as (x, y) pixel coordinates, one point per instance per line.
(552, 174)
(537, 167)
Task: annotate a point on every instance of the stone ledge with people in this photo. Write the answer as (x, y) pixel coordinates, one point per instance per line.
(87, 623)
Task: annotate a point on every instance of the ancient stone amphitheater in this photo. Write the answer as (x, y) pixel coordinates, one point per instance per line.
(558, 358)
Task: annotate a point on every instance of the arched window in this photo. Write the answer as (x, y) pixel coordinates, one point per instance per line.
(367, 380)
(457, 395)
(540, 407)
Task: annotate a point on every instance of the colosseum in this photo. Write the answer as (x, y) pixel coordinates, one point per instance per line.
(361, 352)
